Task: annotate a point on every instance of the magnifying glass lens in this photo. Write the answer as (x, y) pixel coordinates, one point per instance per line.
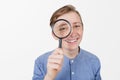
(61, 28)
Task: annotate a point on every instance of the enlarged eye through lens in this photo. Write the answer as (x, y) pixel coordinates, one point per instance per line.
(61, 28)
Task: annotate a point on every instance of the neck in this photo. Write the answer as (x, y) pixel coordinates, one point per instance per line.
(71, 53)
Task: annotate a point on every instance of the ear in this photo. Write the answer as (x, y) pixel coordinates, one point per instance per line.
(54, 36)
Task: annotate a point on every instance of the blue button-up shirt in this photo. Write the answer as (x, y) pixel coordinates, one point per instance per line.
(85, 66)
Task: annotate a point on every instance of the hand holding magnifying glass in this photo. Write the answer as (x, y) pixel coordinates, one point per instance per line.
(61, 29)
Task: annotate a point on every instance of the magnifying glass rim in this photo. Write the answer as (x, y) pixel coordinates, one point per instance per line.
(65, 21)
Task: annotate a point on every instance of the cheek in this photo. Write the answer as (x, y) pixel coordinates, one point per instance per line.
(80, 32)
(64, 39)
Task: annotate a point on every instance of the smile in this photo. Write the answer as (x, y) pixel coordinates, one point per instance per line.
(71, 40)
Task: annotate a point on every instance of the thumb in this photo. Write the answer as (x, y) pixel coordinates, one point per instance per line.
(60, 51)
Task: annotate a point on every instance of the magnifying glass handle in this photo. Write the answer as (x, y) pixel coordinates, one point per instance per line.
(60, 43)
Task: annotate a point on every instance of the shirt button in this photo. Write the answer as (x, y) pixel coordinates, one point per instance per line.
(72, 61)
(73, 73)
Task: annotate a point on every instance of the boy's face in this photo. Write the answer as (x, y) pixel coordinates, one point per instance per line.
(73, 40)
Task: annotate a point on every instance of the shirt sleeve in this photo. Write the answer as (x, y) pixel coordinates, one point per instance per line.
(97, 76)
(98, 67)
(38, 73)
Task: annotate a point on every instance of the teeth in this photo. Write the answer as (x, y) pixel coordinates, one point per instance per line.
(72, 40)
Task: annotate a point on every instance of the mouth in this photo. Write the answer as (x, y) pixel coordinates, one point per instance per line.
(71, 40)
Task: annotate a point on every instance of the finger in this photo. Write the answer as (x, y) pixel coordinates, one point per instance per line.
(58, 51)
(56, 56)
(55, 61)
(54, 66)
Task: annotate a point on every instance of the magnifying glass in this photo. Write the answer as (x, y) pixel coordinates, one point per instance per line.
(61, 29)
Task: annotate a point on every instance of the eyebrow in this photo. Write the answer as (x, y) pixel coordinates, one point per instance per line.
(77, 22)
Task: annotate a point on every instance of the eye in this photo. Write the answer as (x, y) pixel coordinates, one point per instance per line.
(77, 26)
(62, 29)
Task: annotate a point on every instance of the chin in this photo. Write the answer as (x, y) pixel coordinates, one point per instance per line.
(71, 47)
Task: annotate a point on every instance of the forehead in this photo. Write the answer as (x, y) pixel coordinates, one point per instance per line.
(72, 17)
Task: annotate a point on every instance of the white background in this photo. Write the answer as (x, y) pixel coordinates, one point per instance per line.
(25, 34)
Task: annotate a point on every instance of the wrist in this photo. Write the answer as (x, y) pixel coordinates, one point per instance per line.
(48, 77)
